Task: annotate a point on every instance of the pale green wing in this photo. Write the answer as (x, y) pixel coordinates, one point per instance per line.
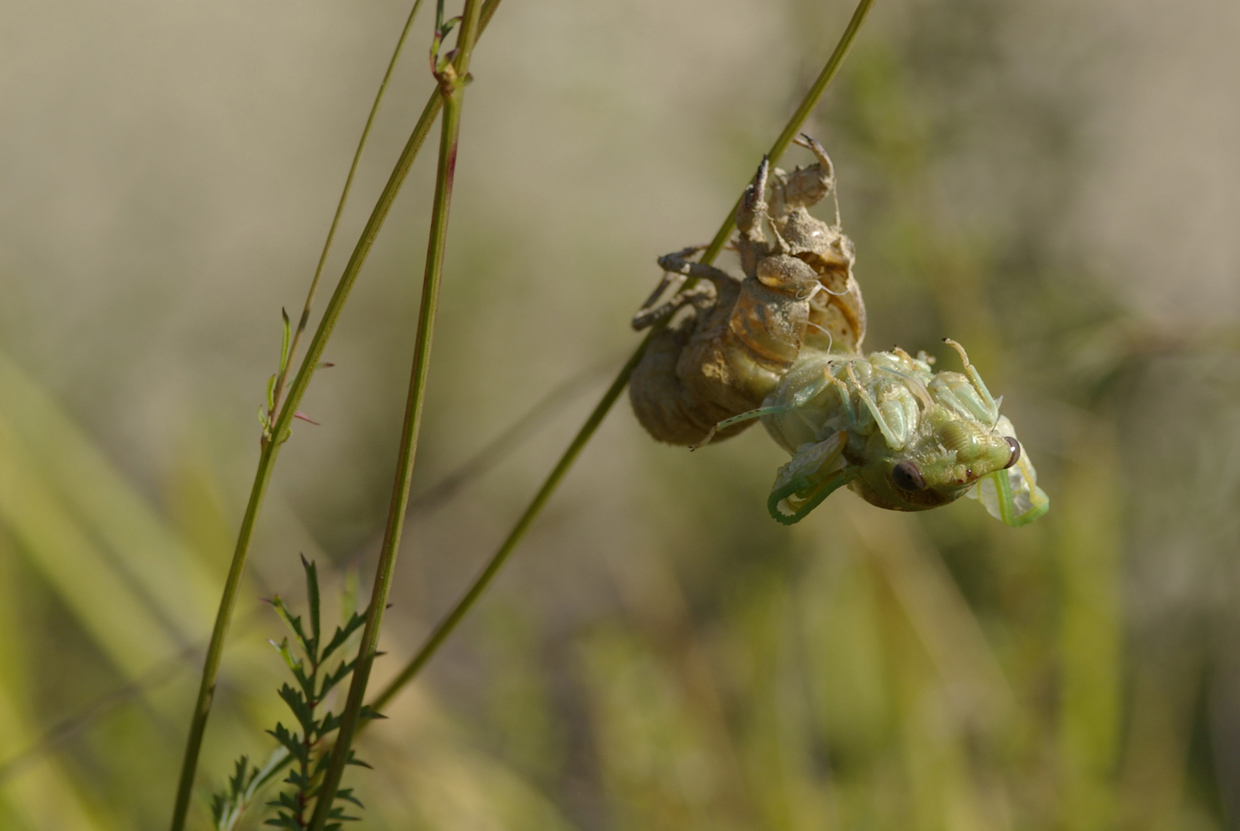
(1012, 495)
(815, 472)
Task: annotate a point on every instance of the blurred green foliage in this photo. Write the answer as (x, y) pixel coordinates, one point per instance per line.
(661, 655)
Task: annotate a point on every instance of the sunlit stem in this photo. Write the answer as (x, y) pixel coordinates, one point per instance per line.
(271, 446)
(302, 322)
(452, 79)
(449, 623)
(514, 536)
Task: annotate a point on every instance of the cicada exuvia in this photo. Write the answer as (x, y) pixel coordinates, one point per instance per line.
(738, 337)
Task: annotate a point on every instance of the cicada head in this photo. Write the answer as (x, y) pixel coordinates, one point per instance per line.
(950, 454)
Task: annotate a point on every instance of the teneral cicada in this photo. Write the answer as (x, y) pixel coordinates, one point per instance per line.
(784, 345)
(898, 434)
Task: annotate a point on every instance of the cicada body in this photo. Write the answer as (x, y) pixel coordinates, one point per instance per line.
(784, 344)
(738, 337)
(897, 433)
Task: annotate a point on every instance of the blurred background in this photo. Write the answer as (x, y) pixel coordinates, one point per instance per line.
(1053, 184)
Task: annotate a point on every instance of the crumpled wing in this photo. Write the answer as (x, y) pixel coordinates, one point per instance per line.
(1012, 495)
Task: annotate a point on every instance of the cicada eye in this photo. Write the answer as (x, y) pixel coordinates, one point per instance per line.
(1015, 445)
(907, 477)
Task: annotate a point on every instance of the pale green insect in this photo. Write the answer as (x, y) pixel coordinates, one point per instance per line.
(897, 433)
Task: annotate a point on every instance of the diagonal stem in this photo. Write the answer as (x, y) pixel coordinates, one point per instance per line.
(282, 377)
(449, 623)
(518, 531)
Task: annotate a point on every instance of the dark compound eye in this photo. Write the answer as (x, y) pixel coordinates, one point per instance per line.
(907, 477)
(1015, 445)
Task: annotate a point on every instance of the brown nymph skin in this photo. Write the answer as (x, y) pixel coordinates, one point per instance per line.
(738, 337)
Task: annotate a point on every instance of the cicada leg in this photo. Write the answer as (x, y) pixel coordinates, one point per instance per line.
(645, 318)
(1011, 496)
(894, 440)
(751, 213)
(794, 405)
(752, 219)
(807, 186)
(676, 265)
(987, 400)
(749, 415)
(815, 472)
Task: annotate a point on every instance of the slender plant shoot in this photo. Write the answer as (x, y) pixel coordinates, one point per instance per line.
(277, 431)
(452, 73)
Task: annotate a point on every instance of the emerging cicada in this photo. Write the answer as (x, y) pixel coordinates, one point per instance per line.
(739, 337)
(900, 435)
(784, 346)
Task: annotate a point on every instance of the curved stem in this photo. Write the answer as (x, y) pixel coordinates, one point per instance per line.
(452, 80)
(462, 607)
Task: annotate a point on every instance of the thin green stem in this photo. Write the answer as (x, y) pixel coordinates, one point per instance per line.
(829, 70)
(271, 446)
(452, 81)
(215, 650)
(518, 531)
(449, 623)
(282, 377)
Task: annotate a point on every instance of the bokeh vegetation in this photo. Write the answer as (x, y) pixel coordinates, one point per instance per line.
(659, 654)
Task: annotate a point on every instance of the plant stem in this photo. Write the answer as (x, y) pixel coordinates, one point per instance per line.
(518, 531)
(211, 666)
(282, 377)
(270, 447)
(452, 81)
(449, 623)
